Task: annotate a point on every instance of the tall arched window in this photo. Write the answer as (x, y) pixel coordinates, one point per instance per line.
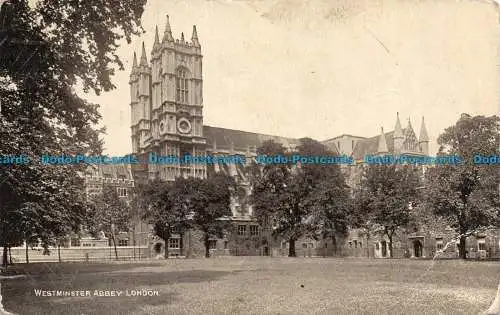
(181, 86)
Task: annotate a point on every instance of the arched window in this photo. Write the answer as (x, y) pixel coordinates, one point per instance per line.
(181, 86)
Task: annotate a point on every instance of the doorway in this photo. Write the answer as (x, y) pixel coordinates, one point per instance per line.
(417, 248)
(383, 244)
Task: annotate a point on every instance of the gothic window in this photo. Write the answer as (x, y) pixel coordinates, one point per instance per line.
(181, 86)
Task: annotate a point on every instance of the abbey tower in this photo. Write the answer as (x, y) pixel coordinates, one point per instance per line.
(167, 105)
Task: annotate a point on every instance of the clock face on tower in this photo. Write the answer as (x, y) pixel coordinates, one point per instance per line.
(184, 126)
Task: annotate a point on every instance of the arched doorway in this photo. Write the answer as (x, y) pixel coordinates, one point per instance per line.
(158, 248)
(417, 248)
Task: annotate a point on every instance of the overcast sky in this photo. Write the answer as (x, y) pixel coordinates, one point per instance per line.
(321, 68)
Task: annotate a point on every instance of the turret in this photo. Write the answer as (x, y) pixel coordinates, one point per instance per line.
(134, 70)
(194, 37)
(398, 136)
(144, 58)
(382, 142)
(156, 45)
(423, 140)
(167, 36)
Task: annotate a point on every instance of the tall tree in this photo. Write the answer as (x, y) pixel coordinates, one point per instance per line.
(466, 195)
(165, 206)
(209, 202)
(387, 195)
(268, 181)
(45, 49)
(109, 214)
(289, 193)
(331, 209)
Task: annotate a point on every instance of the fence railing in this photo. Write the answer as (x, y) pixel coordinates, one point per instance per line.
(18, 254)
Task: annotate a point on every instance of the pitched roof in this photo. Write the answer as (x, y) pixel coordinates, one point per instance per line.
(241, 140)
(111, 170)
(370, 146)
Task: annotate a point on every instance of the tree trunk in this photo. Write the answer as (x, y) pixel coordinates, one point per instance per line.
(165, 249)
(291, 248)
(334, 245)
(59, 251)
(391, 253)
(368, 245)
(181, 244)
(461, 247)
(4, 257)
(114, 245)
(10, 257)
(27, 256)
(207, 248)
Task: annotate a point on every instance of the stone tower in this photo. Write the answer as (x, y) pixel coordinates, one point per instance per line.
(167, 106)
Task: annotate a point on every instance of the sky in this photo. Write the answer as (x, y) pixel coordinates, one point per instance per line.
(322, 68)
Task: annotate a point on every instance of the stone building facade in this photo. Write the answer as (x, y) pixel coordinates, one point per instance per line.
(167, 119)
(120, 177)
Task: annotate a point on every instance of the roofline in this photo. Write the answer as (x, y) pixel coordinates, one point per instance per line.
(254, 133)
(342, 135)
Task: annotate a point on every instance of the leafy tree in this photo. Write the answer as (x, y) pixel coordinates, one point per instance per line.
(45, 50)
(299, 199)
(164, 205)
(330, 206)
(268, 181)
(466, 194)
(209, 201)
(109, 214)
(387, 194)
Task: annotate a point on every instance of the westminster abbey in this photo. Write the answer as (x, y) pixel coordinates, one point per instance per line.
(167, 119)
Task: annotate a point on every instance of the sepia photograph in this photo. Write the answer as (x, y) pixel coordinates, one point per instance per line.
(249, 157)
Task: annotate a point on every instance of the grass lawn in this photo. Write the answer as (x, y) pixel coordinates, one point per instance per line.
(259, 285)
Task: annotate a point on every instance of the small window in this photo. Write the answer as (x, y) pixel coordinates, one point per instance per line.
(212, 244)
(254, 230)
(242, 230)
(225, 244)
(377, 247)
(75, 242)
(122, 243)
(122, 192)
(350, 244)
(173, 243)
(481, 244)
(304, 245)
(355, 244)
(360, 244)
(311, 245)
